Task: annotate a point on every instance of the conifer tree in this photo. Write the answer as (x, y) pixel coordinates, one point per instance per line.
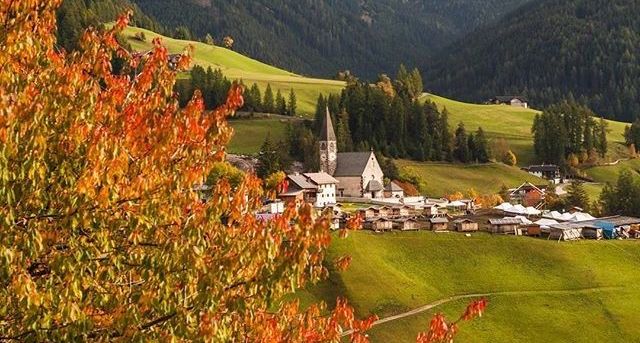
(268, 103)
(461, 145)
(602, 145)
(481, 153)
(292, 106)
(281, 104)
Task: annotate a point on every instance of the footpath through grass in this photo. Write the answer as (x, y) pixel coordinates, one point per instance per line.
(545, 291)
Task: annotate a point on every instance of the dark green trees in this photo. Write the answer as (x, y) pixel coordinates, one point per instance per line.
(622, 198)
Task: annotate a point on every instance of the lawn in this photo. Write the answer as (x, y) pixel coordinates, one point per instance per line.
(514, 125)
(237, 66)
(543, 291)
(249, 134)
(604, 174)
(441, 179)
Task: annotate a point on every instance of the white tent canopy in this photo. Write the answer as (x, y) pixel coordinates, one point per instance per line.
(546, 223)
(504, 206)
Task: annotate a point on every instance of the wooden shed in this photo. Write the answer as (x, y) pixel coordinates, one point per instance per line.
(406, 225)
(439, 224)
(385, 211)
(430, 210)
(592, 232)
(378, 224)
(564, 233)
(465, 225)
(402, 211)
(368, 213)
(506, 226)
(532, 229)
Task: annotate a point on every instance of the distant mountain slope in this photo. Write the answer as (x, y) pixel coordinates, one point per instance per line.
(546, 50)
(321, 37)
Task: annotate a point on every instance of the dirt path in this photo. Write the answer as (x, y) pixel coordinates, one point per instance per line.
(437, 303)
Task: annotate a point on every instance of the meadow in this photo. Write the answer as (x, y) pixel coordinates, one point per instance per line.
(440, 179)
(541, 291)
(249, 134)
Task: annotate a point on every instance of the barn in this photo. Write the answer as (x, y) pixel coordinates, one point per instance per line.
(465, 225)
(439, 224)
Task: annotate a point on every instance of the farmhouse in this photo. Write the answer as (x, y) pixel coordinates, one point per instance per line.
(318, 189)
(439, 224)
(507, 226)
(358, 173)
(511, 100)
(465, 225)
(549, 172)
(527, 194)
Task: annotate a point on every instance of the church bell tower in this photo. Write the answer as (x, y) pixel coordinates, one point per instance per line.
(328, 146)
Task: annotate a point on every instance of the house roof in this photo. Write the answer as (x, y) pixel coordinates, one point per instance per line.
(321, 178)
(374, 186)
(505, 221)
(393, 187)
(301, 181)
(463, 220)
(352, 163)
(529, 186)
(327, 133)
(439, 220)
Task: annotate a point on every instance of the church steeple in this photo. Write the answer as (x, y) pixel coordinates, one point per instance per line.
(328, 146)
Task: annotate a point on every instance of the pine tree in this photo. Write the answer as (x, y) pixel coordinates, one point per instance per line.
(461, 145)
(601, 142)
(281, 104)
(577, 196)
(292, 105)
(481, 153)
(343, 133)
(268, 158)
(321, 110)
(268, 103)
(254, 99)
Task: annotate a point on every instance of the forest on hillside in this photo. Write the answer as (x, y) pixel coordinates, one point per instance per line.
(588, 50)
(322, 37)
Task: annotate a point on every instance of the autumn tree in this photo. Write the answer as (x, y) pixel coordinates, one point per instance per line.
(104, 235)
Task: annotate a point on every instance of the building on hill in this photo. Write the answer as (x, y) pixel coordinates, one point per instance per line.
(392, 190)
(359, 173)
(318, 189)
(511, 100)
(527, 194)
(549, 172)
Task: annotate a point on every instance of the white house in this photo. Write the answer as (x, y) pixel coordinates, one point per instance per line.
(325, 188)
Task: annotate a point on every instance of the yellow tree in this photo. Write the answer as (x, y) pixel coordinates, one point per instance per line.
(103, 234)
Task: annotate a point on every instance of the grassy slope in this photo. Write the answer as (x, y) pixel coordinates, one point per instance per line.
(513, 124)
(237, 66)
(443, 179)
(250, 134)
(395, 272)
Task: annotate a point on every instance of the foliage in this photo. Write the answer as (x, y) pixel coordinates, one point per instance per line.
(632, 135)
(510, 158)
(547, 51)
(577, 196)
(103, 235)
(623, 197)
(440, 331)
(272, 158)
(566, 130)
(292, 105)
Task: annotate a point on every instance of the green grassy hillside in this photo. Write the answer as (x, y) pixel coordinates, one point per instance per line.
(441, 179)
(543, 291)
(249, 134)
(514, 125)
(237, 66)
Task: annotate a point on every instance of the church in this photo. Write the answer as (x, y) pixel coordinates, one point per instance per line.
(359, 173)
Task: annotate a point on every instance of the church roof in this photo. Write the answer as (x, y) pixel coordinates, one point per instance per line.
(327, 133)
(352, 163)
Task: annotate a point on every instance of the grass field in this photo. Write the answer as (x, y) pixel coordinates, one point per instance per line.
(543, 291)
(514, 125)
(249, 134)
(604, 174)
(237, 66)
(441, 179)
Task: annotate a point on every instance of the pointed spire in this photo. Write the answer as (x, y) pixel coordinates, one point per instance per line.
(327, 133)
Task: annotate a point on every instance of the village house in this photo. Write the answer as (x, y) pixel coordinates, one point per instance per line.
(439, 224)
(358, 173)
(318, 189)
(402, 211)
(430, 209)
(549, 172)
(527, 195)
(369, 212)
(392, 190)
(465, 225)
(511, 100)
